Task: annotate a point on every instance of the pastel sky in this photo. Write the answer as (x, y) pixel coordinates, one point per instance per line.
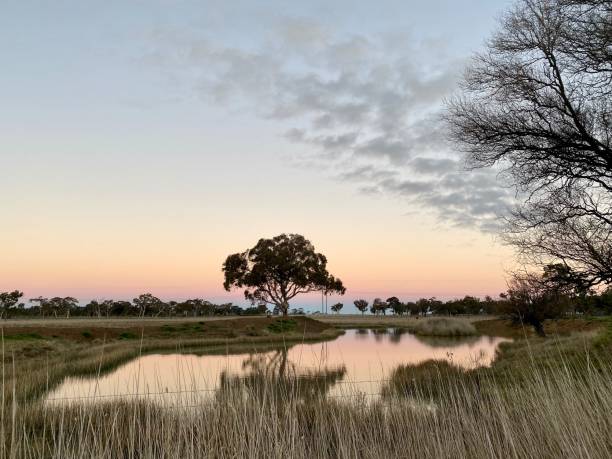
(143, 141)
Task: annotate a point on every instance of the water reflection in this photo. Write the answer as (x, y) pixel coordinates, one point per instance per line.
(396, 335)
(358, 361)
(379, 334)
(274, 372)
(451, 341)
(362, 333)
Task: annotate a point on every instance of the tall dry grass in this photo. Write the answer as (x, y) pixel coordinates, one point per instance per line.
(444, 326)
(545, 408)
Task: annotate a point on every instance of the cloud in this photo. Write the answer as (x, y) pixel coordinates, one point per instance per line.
(367, 108)
(433, 166)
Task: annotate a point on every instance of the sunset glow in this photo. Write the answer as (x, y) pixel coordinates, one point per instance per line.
(137, 158)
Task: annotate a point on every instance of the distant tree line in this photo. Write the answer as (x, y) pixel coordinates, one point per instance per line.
(145, 305)
(530, 299)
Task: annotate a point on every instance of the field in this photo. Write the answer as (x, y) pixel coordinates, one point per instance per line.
(200, 328)
(547, 397)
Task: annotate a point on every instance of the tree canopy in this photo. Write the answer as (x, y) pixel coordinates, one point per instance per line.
(276, 270)
(361, 305)
(9, 300)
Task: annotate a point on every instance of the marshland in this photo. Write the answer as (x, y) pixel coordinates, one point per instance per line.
(169, 167)
(240, 389)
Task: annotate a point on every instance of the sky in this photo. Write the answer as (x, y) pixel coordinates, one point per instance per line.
(141, 142)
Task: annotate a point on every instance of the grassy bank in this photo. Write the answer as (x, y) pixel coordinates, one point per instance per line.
(539, 410)
(93, 330)
(542, 398)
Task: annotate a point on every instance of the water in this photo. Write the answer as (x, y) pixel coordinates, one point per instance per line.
(358, 361)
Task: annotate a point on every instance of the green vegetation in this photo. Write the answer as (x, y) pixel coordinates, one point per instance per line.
(282, 326)
(127, 335)
(23, 336)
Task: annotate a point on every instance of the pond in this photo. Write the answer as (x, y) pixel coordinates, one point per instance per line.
(360, 361)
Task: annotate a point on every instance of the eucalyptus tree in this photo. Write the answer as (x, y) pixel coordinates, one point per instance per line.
(361, 305)
(106, 307)
(378, 306)
(93, 308)
(9, 300)
(61, 305)
(396, 305)
(147, 303)
(276, 270)
(41, 303)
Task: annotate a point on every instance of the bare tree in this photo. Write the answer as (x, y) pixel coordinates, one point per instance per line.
(538, 104)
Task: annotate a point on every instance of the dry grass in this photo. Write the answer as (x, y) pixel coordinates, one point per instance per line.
(94, 330)
(541, 412)
(504, 327)
(444, 326)
(545, 398)
(430, 326)
(382, 321)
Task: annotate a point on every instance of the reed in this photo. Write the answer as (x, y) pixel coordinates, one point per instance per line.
(444, 326)
(544, 398)
(544, 413)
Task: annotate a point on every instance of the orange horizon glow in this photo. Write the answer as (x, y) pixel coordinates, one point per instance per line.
(423, 269)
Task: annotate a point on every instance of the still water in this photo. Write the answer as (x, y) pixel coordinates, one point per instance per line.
(359, 361)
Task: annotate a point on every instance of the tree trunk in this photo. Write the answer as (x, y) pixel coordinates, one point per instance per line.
(538, 327)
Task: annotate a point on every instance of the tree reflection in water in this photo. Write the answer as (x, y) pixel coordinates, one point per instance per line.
(448, 341)
(362, 333)
(379, 333)
(273, 374)
(396, 335)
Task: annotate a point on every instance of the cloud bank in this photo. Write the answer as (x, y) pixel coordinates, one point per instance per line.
(366, 107)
